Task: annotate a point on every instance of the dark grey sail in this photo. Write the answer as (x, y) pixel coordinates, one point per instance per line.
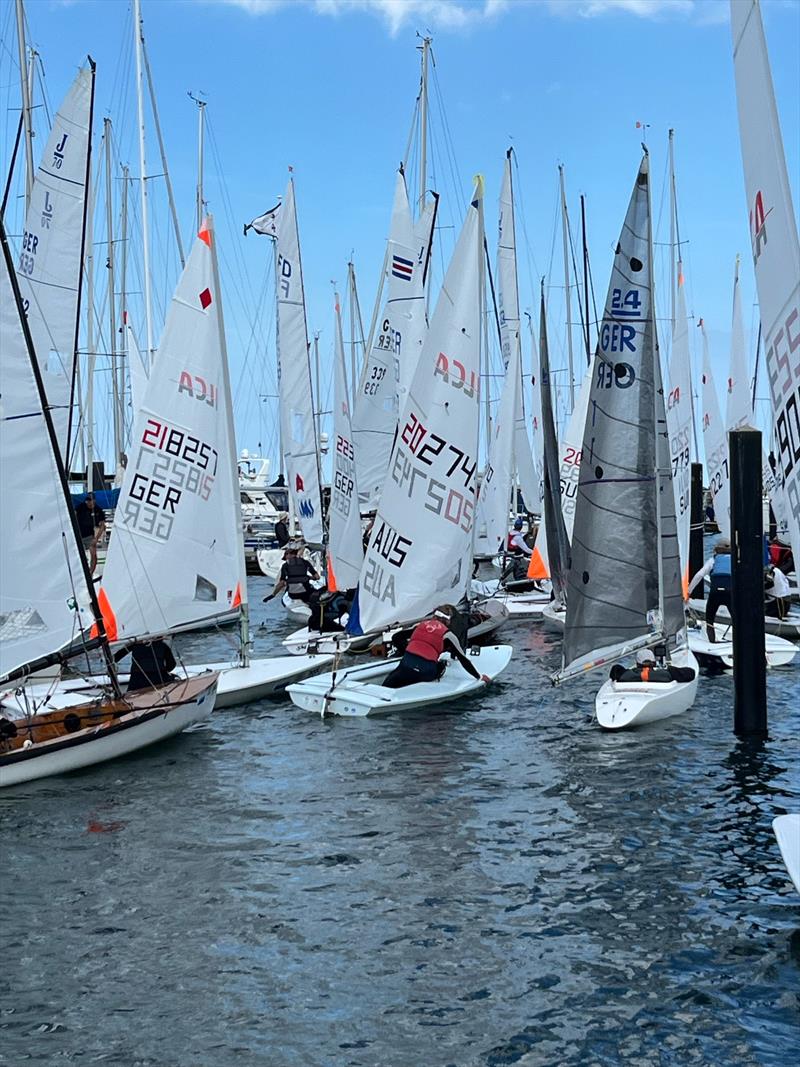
(556, 531)
(621, 588)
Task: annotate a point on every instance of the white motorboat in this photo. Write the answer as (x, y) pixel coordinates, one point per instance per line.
(779, 652)
(621, 705)
(88, 733)
(357, 691)
(787, 831)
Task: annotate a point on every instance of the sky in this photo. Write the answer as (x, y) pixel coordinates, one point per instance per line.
(328, 88)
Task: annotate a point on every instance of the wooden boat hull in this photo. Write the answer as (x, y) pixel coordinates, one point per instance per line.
(788, 628)
(107, 730)
(787, 832)
(622, 705)
(357, 691)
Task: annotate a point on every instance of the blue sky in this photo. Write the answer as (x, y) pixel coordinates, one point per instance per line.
(328, 87)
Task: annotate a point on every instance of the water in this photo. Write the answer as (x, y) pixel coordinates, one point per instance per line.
(501, 884)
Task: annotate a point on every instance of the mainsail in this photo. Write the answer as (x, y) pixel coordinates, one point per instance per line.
(715, 444)
(420, 549)
(298, 433)
(555, 528)
(42, 576)
(776, 248)
(679, 424)
(176, 555)
(623, 580)
(395, 349)
(51, 251)
(345, 549)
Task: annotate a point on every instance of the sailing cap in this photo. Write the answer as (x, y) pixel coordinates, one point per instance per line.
(518, 524)
(644, 657)
(723, 545)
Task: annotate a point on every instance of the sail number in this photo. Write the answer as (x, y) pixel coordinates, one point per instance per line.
(343, 476)
(389, 340)
(432, 451)
(372, 385)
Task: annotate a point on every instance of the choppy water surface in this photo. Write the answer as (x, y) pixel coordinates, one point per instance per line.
(501, 884)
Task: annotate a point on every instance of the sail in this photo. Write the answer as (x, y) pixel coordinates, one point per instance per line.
(42, 577)
(495, 492)
(776, 247)
(49, 264)
(556, 532)
(739, 411)
(420, 549)
(298, 432)
(396, 345)
(176, 554)
(679, 425)
(715, 444)
(345, 549)
(138, 371)
(613, 593)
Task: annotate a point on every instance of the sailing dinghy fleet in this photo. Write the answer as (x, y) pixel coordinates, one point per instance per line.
(607, 572)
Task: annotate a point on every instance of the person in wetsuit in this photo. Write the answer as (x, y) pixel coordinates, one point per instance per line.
(718, 571)
(650, 669)
(152, 663)
(420, 662)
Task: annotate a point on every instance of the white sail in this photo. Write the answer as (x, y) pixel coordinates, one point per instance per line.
(49, 264)
(738, 410)
(138, 371)
(396, 345)
(345, 549)
(715, 444)
(496, 488)
(420, 549)
(42, 577)
(679, 425)
(176, 554)
(776, 247)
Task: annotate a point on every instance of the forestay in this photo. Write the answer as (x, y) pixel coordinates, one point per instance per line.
(298, 432)
(558, 549)
(176, 555)
(420, 549)
(345, 549)
(776, 248)
(715, 444)
(42, 576)
(615, 593)
(679, 424)
(49, 265)
(394, 351)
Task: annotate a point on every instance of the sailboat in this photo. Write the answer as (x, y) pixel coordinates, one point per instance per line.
(420, 549)
(623, 582)
(176, 557)
(38, 605)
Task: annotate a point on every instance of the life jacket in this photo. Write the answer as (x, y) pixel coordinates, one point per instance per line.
(721, 572)
(510, 546)
(427, 640)
(296, 576)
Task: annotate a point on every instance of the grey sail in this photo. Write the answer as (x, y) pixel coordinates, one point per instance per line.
(556, 530)
(615, 594)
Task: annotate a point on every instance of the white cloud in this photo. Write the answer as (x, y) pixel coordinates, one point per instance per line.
(396, 14)
(699, 11)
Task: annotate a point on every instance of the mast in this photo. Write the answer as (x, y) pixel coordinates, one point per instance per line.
(423, 124)
(318, 416)
(586, 280)
(675, 251)
(25, 87)
(201, 129)
(138, 35)
(163, 154)
(484, 324)
(565, 243)
(656, 429)
(112, 308)
(123, 301)
(91, 356)
(111, 666)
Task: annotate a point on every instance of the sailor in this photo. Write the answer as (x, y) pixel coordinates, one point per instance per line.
(651, 669)
(718, 570)
(92, 525)
(519, 551)
(152, 663)
(282, 530)
(296, 577)
(430, 638)
(777, 593)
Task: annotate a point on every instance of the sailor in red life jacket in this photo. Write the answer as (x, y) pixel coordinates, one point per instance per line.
(420, 662)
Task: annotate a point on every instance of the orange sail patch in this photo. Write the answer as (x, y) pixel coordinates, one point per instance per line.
(109, 618)
(536, 567)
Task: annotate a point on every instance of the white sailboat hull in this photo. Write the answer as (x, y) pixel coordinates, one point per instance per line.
(622, 705)
(139, 728)
(236, 685)
(270, 561)
(779, 651)
(788, 628)
(295, 609)
(358, 691)
(553, 618)
(787, 831)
